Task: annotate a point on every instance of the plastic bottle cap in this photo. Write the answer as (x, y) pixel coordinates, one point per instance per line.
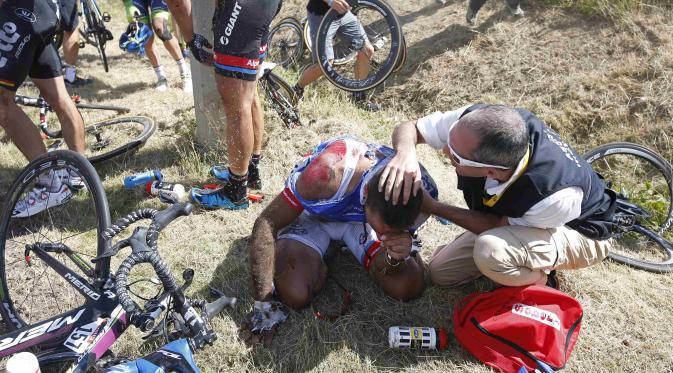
(148, 187)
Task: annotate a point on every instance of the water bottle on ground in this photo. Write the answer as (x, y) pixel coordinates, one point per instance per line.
(23, 362)
(417, 337)
(167, 192)
(133, 181)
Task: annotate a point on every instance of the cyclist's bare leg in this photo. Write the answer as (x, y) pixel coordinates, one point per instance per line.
(53, 90)
(172, 46)
(238, 96)
(257, 124)
(362, 61)
(71, 47)
(299, 273)
(151, 53)
(20, 129)
(310, 75)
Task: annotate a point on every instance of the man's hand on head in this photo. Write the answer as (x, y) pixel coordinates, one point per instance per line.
(401, 177)
(341, 6)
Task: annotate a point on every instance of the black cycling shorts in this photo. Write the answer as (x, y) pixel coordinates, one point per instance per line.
(27, 30)
(241, 30)
(69, 16)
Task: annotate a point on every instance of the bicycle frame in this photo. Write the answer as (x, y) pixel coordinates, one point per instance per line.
(77, 334)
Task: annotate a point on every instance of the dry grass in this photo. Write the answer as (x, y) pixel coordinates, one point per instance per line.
(593, 78)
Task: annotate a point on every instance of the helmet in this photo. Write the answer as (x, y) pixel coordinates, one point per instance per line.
(135, 37)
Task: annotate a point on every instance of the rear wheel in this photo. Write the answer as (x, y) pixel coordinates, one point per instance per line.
(57, 203)
(643, 178)
(285, 42)
(114, 137)
(96, 27)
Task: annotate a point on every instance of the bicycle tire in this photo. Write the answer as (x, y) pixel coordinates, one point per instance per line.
(148, 128)
(288, 50)
(118, 109)
(647, 181)
(342, 53)
(386, 68)
(17, 232)
(282, 99)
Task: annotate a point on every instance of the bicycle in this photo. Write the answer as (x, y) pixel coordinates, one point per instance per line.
(642, 180)
(70, 311)
(279, 94)
(104, 140)
(93, 30)
(289, 37)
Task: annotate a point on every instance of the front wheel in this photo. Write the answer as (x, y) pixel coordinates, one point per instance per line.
(643, 178)
(114, 137)
(51, 225)
(285, 42)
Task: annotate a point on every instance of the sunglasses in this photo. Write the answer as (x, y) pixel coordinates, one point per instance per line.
(466, 162)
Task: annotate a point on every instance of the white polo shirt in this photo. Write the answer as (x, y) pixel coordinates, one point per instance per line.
(554, 211)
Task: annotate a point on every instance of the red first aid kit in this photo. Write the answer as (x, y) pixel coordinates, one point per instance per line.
(514, 327)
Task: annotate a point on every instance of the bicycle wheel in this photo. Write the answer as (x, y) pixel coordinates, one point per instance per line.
(285, 46)
(343, 53)
(68, 224)
(118, 109)
(645, 179)
(383, 31)
(282, 98)
(114, 137)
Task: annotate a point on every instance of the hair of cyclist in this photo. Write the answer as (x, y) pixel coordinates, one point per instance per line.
(399, 216)
(503, 133)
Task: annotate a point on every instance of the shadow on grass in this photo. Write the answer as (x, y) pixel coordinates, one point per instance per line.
(303, 342)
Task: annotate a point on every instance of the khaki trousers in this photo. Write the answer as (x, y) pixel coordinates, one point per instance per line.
(514, 255)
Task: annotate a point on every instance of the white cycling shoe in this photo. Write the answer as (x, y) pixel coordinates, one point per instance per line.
(52, 189)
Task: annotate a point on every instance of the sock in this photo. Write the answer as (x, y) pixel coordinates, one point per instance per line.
(237, 188)
(182, 67)
(253, 167)
(159, 70)
(70, 73)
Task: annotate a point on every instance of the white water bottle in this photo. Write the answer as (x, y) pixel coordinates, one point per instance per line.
(23, 362)
(167, 192)
(417, 337)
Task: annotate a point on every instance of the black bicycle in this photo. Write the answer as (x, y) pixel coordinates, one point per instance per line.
(94, 30)
(643, 182)
(104, 140)
(280, 95)
(60, 298)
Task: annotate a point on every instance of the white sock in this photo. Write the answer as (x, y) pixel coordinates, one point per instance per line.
(159, 70)
(70, 73)
(182, 67)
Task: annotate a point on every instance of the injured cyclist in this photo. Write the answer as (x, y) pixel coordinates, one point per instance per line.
(332, 195)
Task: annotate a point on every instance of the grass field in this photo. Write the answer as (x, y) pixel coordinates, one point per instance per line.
(595, 70)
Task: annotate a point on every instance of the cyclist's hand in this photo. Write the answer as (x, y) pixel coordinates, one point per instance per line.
(401, 175)
(397, 245)
(341, 6)
(264, 320)
(199, 46)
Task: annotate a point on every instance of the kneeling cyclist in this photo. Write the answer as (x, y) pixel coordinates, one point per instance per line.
(155, 13)
(332, 195)
(27, 29)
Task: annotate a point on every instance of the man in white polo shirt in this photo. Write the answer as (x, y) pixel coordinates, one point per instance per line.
(534, 204)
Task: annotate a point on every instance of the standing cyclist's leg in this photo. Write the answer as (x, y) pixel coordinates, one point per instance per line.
(313, 72)
(18, 127)
(160, 25)
(70, 26)
(236, 62)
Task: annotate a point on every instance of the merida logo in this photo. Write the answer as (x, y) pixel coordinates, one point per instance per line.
(92, 294)
(39, 330)
(25, 15)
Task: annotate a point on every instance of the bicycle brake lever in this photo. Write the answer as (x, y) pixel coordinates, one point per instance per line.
(112, 251)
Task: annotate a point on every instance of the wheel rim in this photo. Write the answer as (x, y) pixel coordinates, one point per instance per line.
(285, 44)
(35, 292)
(112, 136)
